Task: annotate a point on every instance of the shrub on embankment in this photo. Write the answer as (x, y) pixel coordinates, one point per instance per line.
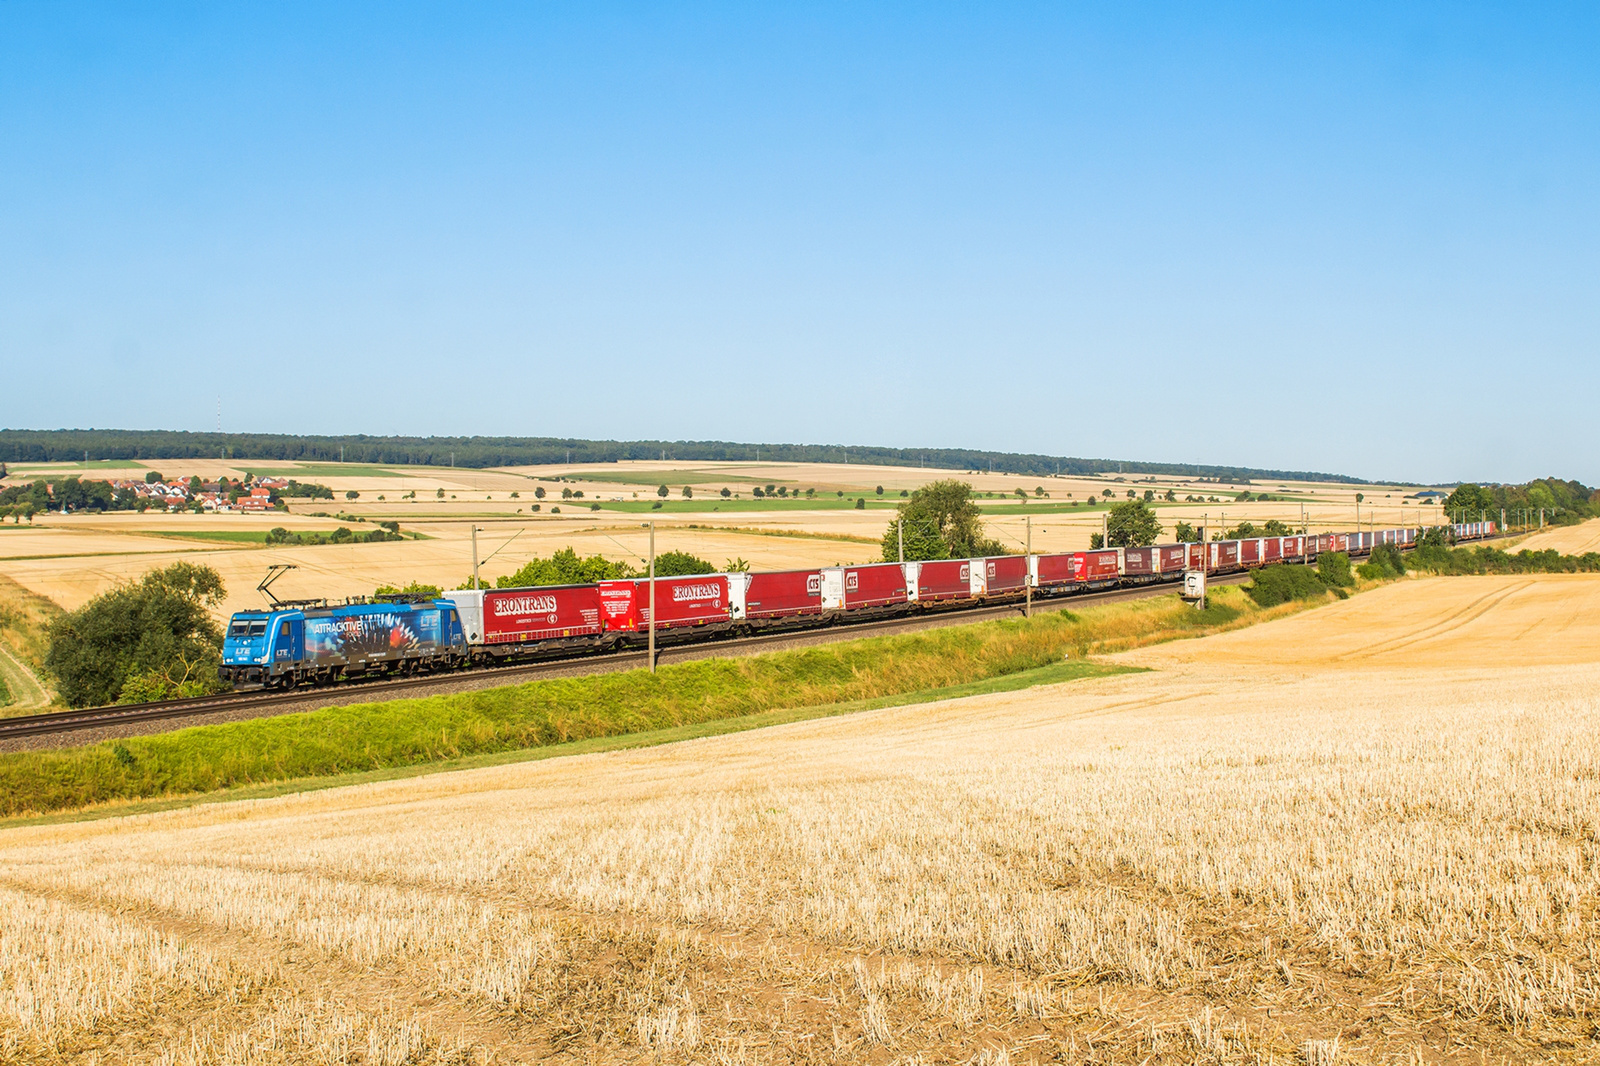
(1280, 583)
(1438, 559)
(1287, 582)
(364, 737)
(1283, 582)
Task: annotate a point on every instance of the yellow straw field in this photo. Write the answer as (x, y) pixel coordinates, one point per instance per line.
(1569, 540)
(1365, 833)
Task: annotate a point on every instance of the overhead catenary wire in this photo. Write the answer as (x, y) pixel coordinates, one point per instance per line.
(503, 547)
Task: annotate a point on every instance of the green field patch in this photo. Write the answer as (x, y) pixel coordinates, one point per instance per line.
(25, 473)
(335, 470)
(652, 478)
(991, 507)
(219, 536)
(196, 548)
(710, 504)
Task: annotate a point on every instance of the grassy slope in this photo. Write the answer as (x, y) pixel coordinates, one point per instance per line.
(1053, 674)
(24, 619)
(400, 733)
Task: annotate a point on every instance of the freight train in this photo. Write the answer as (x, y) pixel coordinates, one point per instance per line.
(321, 644)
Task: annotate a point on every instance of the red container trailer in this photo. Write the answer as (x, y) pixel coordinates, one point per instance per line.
(853, 588)
(943, 579)
(1197, 556)
(1250, 552)
(1271, 550)
(1055, 571)
(696, 600)
(1004, 574)
(1222, 556)
(782, 594)
(1139, 563)
(1294, 547)
(1096, 567)
(532, 615)
(1172, 558)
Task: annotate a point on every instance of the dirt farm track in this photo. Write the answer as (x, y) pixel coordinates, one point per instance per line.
(1364, 833)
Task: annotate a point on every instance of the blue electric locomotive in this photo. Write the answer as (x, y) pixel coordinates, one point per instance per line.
(286, 647)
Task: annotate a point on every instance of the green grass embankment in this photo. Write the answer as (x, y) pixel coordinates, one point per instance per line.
(540, 716)
(25, 619)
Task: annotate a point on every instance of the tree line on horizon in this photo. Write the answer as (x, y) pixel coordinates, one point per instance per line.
(71, 445)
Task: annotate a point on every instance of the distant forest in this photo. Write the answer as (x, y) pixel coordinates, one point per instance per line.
(67, 445)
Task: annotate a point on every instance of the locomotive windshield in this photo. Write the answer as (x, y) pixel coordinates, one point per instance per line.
(246, 627)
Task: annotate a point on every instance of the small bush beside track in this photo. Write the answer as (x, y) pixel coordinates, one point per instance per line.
(1281, 583)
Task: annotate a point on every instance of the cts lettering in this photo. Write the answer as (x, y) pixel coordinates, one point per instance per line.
(516, 605)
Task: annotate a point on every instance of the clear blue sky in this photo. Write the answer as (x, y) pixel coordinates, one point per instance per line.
(1361, 238)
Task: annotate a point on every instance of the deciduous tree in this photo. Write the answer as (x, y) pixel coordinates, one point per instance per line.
(148, 640)
(940, 521)
(1131, 525)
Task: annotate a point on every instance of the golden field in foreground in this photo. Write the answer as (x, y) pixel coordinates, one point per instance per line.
(1365, 833)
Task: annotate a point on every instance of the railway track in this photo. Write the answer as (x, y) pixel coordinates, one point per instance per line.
(98, 717)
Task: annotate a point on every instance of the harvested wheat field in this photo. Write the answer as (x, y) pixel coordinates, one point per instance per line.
(1569, 540)
(1365, 833)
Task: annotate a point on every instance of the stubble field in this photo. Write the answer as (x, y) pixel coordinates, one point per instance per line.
(1569, 540)
(1366, 833)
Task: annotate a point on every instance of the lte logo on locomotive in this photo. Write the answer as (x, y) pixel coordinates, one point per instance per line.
(680, 593)
(525, 605)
